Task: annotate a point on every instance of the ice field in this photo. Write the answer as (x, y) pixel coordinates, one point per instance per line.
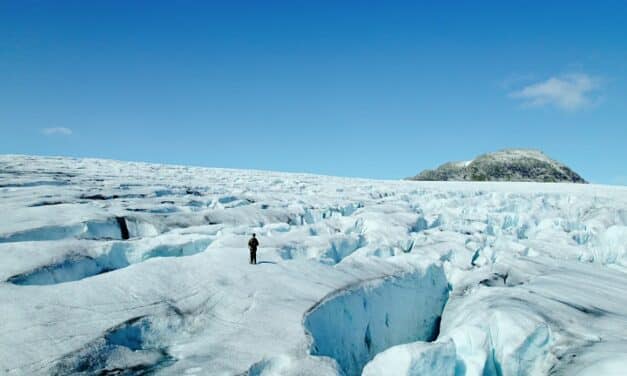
(131, 268)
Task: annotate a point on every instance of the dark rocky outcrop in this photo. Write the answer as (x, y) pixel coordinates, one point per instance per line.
(504, 165)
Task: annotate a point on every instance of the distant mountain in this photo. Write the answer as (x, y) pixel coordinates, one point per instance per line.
(504, 165)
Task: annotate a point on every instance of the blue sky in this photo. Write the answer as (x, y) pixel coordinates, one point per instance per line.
(351, 88)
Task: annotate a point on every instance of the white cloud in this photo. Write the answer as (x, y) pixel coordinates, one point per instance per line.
(57, 130)
(568, 92)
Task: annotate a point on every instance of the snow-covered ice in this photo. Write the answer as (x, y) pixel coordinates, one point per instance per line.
(121, 268)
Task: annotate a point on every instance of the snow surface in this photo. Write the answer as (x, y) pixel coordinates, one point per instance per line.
(123, 268)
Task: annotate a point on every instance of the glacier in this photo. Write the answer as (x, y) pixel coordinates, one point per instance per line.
(134, 268)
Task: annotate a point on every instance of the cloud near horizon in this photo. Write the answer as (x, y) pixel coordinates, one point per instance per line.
(567, 92)
(57, 131)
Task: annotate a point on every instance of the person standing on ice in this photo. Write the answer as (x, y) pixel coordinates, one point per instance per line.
(253, 243)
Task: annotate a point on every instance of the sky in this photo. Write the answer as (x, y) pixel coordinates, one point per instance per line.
(350, 88)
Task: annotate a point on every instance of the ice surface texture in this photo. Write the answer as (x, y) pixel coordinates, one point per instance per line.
(130, 268)
(355, 324)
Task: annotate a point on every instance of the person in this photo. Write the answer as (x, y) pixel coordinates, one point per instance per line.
(253, 243)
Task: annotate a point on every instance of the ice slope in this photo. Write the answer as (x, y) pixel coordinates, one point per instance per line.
(129, 268)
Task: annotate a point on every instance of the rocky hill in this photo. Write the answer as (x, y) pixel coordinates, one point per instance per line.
(504, 165)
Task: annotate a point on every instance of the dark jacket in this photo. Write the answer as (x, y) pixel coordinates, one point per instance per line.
(253, 243)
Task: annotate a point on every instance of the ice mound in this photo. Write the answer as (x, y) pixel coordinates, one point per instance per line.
(417, 358)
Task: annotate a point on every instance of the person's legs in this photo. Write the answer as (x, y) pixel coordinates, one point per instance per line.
(255, 258)
(251, 256)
